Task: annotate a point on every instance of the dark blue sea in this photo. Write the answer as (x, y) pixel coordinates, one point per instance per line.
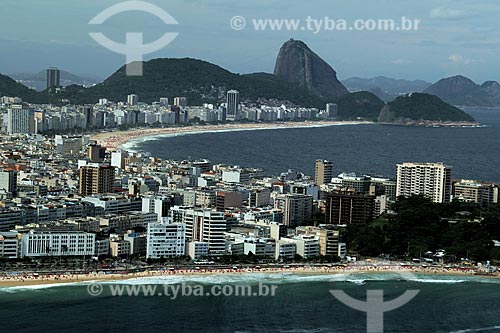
(474, 153)
(301, 304)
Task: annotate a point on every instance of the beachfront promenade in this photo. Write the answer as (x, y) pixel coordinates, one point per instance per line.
(14, 279)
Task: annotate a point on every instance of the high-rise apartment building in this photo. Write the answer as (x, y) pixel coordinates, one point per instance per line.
(118, 159)
(165, 240)
(180, 102)
(296, 208)
(203, 225)
(332, 110)
(432, 180)
(8, 182)
(88, 116)
(323, 172)
(96, 153)
(96, 179)
(53, 77)
(20, 120)
(132, 99)
(349, 207)
(233, 105)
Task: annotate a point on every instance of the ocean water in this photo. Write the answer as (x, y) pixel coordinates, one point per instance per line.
(474, 153)
(301, 304)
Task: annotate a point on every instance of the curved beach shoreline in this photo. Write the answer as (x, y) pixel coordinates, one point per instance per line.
(406, 272)
(117, 139)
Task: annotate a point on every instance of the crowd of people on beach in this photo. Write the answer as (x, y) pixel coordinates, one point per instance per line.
(115, 139)
(20, 278)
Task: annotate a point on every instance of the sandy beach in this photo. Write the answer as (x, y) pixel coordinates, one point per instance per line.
(115, 139)
(30, 279)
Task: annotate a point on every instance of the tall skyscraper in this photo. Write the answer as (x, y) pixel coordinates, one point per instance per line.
(432, 180)
(96, 179)
(20, 120)
(53, 77)
(8, 182)
(132, 99)
(180, 102)
(323, 172)
(233, 105)
(331, 110)
(88, 116)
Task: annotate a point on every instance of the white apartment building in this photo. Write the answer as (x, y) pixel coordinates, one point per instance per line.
(235, 176)
(197, 250)
(166, 240)
(10, 246)
(432, 180)
(285, 250)
(43, 243)
(203, 225)
(118, 159)
(132, 99)
(114, 204)
(260, 248)
(307, 246)
(20, 120)
(157, 204)
(274, 215)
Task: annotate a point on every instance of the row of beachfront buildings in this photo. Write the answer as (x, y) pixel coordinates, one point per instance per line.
(69, 196)
(23, 118)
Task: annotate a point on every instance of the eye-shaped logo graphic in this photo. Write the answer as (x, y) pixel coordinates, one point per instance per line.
(134, 48)
(375, 306)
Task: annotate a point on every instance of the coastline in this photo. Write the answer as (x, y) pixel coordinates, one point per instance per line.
(117, 139)
(67, 279)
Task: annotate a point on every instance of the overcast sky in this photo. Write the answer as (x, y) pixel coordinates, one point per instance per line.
(455, 36)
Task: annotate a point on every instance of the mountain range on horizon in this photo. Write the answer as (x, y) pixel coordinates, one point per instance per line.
(298, 65)
(456, 90)
(38, 81)
(386, 88)
(301, 77)
(462, 91)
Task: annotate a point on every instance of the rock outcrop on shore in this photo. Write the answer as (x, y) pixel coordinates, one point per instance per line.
(297, 63)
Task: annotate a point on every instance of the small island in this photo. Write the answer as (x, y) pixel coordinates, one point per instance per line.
(419, 109)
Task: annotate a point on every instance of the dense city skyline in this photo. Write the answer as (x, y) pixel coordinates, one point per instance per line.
(249, 166)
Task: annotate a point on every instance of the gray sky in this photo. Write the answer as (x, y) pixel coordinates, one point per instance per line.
(455, 36)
